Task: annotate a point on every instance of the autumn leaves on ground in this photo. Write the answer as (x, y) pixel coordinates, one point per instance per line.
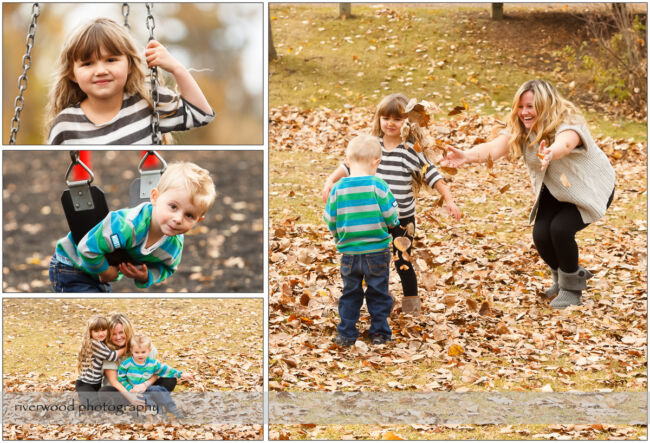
(484, 326)
(219, 341)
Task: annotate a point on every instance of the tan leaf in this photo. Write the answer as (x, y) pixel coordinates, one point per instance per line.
(565, 181)
(402, 243)
(390, 435)
(449, 300)
(504, 189)
(502, 329)
(471, 304)
(410, 229)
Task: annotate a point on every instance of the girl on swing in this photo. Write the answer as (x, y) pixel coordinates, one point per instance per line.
(100, 95)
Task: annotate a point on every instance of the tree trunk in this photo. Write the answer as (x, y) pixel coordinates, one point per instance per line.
(345, 10)
(272, 54)
(497, 11)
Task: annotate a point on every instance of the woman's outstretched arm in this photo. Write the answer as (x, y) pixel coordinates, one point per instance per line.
(480, 153)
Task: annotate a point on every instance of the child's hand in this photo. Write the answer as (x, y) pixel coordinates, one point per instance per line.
(139, 273)
(108, 275)
(157, 55)
(326, 190)
(139, 388)
(187, 376)
(453, 210)
(545, 155)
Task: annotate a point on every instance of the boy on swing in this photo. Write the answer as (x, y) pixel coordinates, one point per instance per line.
(151, 233)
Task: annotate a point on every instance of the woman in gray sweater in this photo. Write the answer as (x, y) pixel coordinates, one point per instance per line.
(572, 179)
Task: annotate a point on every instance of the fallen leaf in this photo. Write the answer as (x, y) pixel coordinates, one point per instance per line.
(455, 350)
(402, 243)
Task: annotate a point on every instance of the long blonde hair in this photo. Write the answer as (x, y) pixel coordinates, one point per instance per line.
(85, 43)
(117, 318)
(552, 110)
(95, 323)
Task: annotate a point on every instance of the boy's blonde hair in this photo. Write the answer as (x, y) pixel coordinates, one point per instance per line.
(193, 179)
(552, 110)
(140, 341)
(363, 148)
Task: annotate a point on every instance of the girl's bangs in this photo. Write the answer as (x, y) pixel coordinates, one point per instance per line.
(92, 41)
(99, 324)
(391, 109)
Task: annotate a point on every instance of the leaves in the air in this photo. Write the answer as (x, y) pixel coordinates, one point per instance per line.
(565, 181)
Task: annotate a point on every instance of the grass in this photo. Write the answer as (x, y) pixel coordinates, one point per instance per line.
(446, 54)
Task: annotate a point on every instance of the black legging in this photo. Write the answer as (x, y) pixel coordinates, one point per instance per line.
(108, 395)
(554, 232)
(405, 268)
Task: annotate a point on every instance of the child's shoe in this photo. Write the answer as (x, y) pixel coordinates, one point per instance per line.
(344, 342)
(173, 410)
(411, 305)
(378, 339)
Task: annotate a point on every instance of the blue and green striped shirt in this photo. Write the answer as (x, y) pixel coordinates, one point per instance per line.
(358, 213)
(129, 373)
(128, 229)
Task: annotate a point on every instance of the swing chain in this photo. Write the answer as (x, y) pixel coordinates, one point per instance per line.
(19, 102)
(155, 94)
(125, 14)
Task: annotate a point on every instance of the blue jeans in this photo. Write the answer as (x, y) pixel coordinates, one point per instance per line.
(374, 268)
(159, 396)
(65, 278)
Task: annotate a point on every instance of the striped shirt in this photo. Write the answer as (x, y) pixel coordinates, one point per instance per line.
(397, 168)
(358, 212)
(129, 373)
(131, 125)
(91, 372)
(128, 229)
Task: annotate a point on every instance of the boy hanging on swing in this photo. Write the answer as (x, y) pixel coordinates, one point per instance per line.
(150, 233)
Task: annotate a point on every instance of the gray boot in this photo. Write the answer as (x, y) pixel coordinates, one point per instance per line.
(571, 286)
(553, 290)
(411, 305)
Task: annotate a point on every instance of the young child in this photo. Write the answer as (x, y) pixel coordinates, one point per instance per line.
(359, 211)
(92, 355)
(399, 164)
(151, 234)
(572, 179)
(100, 94)
(140, 367)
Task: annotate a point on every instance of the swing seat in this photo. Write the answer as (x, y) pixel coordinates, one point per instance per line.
(83, 212)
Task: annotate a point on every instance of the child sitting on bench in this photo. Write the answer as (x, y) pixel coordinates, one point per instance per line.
(150, 233)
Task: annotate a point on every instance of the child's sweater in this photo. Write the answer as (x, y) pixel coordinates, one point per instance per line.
(128, 229)
(129, 373)
(358, 212)
(92, 374)
(131, 125)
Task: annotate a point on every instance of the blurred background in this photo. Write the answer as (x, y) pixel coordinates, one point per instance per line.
(221, 42)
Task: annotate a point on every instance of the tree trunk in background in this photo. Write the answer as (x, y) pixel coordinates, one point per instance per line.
(497, 11)
(345, 10)
(272, 54)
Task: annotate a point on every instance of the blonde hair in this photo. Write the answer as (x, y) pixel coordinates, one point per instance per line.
(85, 43)
(117, 318)
(193, 179)
(552, 110)
(363, 148)
(140, 341)
(94, 323)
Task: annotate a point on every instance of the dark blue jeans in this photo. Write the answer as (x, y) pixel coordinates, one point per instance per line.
(65, 278)
(374, 268)
(159, 396)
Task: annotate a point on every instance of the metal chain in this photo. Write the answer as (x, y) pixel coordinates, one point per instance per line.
(125, 14)
(155, 119)
(19, 103)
